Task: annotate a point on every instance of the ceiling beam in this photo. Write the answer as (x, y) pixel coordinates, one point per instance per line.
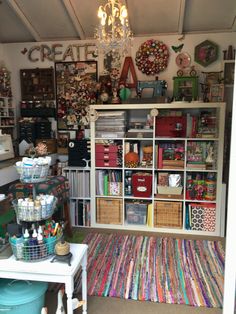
(181, 16)
(234, 24)
(74, 18)
(13, 4)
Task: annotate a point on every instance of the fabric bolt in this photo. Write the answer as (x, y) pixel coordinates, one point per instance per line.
(164, 270)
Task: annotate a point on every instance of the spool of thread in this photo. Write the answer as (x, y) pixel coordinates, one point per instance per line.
(62, 248)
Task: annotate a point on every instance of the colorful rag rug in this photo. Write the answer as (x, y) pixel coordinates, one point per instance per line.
(156, 269)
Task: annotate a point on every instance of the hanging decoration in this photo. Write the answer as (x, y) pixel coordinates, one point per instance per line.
(177, 48)
(5, 82)
(128, 67)
(152, 57)
(206, 53)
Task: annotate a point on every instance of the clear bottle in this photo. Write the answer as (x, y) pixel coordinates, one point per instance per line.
(42, 251)
(44, 209)
(37, 210)
(26, 251)
(31, 211)
(19, 242)
(34, 246)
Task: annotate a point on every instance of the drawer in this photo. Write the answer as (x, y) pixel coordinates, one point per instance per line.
(100, 148)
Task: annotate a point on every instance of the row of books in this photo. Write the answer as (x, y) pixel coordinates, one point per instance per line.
(80, 213)
(79, 183)
(109, 182)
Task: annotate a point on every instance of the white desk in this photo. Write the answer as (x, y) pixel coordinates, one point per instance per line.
(51, 272)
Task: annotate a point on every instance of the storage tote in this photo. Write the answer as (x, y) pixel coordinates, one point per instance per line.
(21, 296)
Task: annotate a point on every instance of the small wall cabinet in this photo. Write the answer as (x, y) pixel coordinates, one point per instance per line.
(185, 88)
(37, 84)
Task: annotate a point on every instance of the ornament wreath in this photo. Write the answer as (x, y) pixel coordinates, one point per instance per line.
(152, 57)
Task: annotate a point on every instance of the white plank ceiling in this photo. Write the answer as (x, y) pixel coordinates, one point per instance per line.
(54, 20)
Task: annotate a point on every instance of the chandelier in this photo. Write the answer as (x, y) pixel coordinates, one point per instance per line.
(113, 33)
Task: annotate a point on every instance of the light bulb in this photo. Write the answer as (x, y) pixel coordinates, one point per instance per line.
(100, 12)
(123, 12)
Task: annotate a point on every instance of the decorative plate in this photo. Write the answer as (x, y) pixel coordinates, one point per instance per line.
(183, 60)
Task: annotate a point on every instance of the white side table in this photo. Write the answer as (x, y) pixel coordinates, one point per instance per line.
(51, 272)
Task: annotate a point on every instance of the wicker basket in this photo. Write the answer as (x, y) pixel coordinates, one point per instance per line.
(109, 211)
(32, 214)
(33, 174)
(168, 214)
(36, 252)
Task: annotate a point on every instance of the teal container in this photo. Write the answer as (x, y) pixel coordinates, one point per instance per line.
(21, 296)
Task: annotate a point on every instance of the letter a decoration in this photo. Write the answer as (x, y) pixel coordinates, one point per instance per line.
(128, 67)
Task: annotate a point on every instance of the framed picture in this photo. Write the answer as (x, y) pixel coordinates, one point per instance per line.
(76, 84)
(62, 142)
(216, 93)
(206, 52)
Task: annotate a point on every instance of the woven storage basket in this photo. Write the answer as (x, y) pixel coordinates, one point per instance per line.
(34, 174)
(168, 214)
(109, 211)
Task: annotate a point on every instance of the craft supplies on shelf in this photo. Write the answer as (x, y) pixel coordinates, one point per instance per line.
(33, 170)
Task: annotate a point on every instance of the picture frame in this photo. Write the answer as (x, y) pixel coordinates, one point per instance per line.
(63, 139)
(216, 93)
(76, 84)
(206, 53)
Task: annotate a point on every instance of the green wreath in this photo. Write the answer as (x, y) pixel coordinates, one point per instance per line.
(152, 57)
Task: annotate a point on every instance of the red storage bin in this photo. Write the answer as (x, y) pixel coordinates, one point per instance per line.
(171, 126)
(142, 184)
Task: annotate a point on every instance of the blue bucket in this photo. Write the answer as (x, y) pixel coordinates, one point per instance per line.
(21, 296)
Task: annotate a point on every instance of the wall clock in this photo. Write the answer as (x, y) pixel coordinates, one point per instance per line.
(183, 60)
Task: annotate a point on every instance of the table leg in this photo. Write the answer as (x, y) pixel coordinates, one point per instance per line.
(67, 218)
(69, 288)
(84, 282)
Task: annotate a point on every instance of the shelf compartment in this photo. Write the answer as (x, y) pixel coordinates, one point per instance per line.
(136, 212)
(200, 216)
(80, 212)
(168, 214)
(109, 211)
(109, 182)
(201, 186)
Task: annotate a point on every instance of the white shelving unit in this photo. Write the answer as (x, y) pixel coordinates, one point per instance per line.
(201, 174)
(7, 115)
(79, 181)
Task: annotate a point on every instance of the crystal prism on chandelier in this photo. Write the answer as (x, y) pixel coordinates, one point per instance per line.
(113, 33)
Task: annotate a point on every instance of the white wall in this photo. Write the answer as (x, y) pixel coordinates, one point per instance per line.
(1, 54)
(16, 60)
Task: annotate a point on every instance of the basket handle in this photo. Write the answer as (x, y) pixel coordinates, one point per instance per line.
(13, 281)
